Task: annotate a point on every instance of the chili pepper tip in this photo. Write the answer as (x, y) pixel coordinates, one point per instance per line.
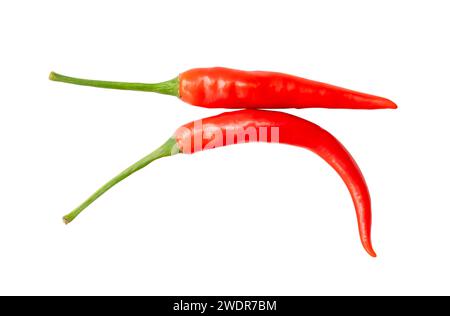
(369, 250)
(391, 105)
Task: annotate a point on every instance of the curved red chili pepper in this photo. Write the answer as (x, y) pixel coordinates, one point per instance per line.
(230, 88)
(252, 125)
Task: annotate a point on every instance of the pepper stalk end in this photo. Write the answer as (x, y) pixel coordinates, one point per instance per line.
(51, 76)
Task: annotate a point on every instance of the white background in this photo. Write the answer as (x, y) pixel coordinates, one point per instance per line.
(257, 219)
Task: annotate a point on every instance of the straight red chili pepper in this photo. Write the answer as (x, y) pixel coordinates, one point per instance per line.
(252, 125)
(229, 88)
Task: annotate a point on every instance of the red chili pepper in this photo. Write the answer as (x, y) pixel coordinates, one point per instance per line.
(229, 88)
(262, 126)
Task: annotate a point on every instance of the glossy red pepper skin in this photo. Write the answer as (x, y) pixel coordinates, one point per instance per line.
(292, 131)
(229, 88)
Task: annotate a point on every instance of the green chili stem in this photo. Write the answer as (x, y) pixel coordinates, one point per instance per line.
(169, 148)
(170, 87)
